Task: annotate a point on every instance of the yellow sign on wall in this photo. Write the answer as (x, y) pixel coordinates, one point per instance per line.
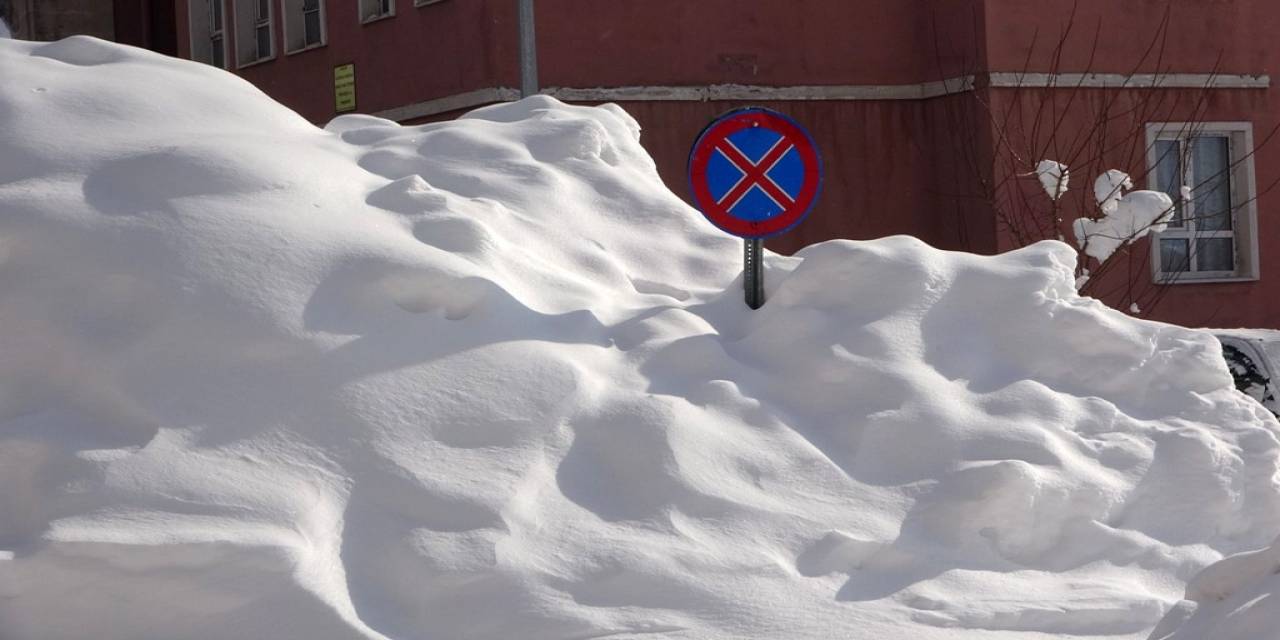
(344, 88)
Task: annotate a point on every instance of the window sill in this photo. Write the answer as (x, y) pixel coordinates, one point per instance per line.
(307, 48)
(254, 63)
(378, 18)
(425, 3)
(1214, 279)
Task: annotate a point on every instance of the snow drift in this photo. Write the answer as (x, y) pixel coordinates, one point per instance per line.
(490, 379)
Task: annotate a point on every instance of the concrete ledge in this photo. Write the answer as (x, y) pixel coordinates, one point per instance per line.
(446, 104)
(1135, 81)
(919, 91)
(762, 93)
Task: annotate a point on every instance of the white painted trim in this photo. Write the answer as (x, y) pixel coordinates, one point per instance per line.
(1001, 79)
(919, 91)
(284, 28)
(271, 29)
(255, 63)
(1185, 278)
(761, 93)
(450, 103)
(629, 94)
(370, 20)
(1244, 190)
(227, 62)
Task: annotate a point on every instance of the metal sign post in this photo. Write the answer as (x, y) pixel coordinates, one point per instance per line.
(528, 50)
(753, 271)
(754, 173)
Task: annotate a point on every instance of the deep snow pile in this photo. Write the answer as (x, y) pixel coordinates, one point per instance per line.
(490, 379)
(1237, 598)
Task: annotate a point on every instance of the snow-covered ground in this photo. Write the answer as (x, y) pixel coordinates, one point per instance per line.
(490, 379)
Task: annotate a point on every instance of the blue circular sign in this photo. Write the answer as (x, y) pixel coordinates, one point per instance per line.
(755, 172)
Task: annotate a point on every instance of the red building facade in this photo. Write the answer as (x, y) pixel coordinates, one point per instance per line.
(931, 115)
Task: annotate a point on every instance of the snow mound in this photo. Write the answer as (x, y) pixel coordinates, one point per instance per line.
(489, 378)
(1237, 598)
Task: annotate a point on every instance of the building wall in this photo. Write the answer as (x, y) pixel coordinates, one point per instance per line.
(56, 19)
(904, 165)
(1228, 36)
(149, 24)
(1239, 304)
(1172, 37)
(587, 43)
(881, 161)
(432, 51)
(142, 23)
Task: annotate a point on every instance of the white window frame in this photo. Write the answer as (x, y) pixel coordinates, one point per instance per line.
(1244, 205)
(251, 32)
(423, 3)
(201, 34)
(366, 18)
(301, 17)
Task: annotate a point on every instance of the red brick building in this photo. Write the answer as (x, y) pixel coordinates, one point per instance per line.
(143, 23)
(930, 113)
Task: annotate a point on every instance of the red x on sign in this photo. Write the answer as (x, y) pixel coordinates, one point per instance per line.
(755, 173)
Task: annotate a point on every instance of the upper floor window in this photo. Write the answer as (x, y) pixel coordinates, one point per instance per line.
(303, 24)
(208, 38)
(1207, 169)
(371, 10)
(254, 39)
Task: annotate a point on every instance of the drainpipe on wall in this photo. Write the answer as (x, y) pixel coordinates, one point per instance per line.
(528, 51)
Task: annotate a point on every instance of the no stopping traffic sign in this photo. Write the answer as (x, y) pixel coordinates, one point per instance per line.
(755, 173)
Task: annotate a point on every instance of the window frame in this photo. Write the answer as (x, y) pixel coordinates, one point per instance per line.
(360, 4)
(202, 31)
(251, 32)
(1241, 181)
(259, 22)
(425, 3)
(321, 10)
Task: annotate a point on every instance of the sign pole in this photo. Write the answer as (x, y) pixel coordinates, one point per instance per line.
(754, 173)
(753, 271)
(528, 50)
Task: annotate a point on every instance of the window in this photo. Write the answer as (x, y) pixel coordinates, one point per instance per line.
(371, 10)
(262, 27)
(1207, 170)
(303, 24)
(311, 22)
(208, 41)
(254, 40)
(215, 34)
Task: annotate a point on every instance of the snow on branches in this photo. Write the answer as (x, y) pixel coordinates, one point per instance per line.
(1123, 218)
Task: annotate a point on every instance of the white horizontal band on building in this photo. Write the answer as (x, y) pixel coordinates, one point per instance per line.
(916, 91)
(1130, 81)
(454, 102)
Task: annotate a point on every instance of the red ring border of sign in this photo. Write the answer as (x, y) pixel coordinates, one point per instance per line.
(730, 123)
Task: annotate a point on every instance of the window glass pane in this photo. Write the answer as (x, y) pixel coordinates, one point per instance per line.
(312, 27)
(310, 5)
(264, 41)
(384, 6)
(215, 16)
(1168, 176)
(1173, 254)
(263, 9)
(1211, 169)
(1214, 254)
(216, 47)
